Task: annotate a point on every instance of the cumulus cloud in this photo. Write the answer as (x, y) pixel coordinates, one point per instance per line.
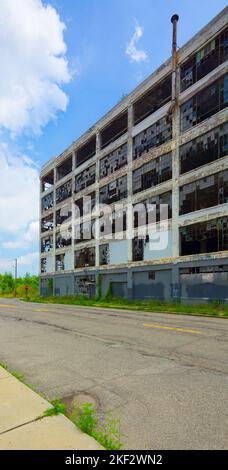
(33, 65)
(136, 55)
(25, 238)
(28, 262)
(19, 195)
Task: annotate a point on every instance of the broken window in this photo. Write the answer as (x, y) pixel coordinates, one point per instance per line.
(43, 265)
(203, 269)
(85, 285)
(117, 221)
(85, 232)
(204, 149)
(47, 223)
(155, 201)
(64, 214)
(152, 173)
(205, 237)
(65, 168)
(87, 151)
(154, 99)
(47, 181)
(64, 191)
(113, 161)
(214, 53)
(85, 179)
(114, 130)
(85, 257)
(157, 134)
(205, 104)
(137, 249)
(46, 244)
(206, 192)
(104, 254)
(86, 204)
(63, 238)
(60, 262)
(47, 202)
(114, 191)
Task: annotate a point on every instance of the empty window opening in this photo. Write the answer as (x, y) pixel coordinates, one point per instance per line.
(85, 285)
(47, 223)
(104, 254)
(64, 191)
(43, 265)
(151, 275)
(87, 151)
(154, 99)
(152, 204)
(114, 191)
(214, 53)
(113, 161)
(65, 168)
(86, 204)
(46, 244)
(205, 104)
(206, 192)
(64, 214)
(153, 173)
(85, 231)
(137, 249)
(60, 262)
(206, 237)
(47, 202)
(47, 181)
(157, 134)
(64, 239)
(204, 149)
(114, 130)
(85, 179)
(85, 257)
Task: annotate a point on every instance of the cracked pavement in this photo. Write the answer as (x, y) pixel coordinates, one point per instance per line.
(164, 376)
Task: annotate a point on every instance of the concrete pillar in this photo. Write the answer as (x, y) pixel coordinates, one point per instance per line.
(129, 284)
(129, 177)
(175, 162)
(98, 148)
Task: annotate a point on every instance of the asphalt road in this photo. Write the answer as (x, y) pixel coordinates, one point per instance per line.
(164, 376)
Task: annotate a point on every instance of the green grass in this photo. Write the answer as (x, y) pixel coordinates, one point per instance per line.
(58, 407)
(215, 308)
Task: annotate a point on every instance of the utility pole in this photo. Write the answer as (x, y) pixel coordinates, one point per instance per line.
(15, 290)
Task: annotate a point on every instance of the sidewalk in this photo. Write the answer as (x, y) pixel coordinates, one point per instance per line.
(23, 427)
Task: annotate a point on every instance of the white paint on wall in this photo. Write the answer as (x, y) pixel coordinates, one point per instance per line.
(159, 245)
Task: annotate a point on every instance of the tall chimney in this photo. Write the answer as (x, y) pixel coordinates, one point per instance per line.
(174, 20)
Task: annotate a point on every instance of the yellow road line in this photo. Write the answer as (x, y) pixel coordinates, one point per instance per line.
(172, 328)
(7, 306)
(41, 310)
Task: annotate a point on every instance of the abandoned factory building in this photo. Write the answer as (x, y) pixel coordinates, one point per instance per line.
(164, 143)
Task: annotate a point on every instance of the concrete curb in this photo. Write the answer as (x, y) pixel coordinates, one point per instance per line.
(23, 426)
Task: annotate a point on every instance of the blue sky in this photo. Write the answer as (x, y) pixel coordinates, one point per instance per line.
(96, 36)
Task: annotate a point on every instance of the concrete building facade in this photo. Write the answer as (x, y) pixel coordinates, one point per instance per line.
(164, 143)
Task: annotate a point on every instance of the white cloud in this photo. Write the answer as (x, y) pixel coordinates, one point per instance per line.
(19, 195)
(26, 263)
(33, 65)
(136, 55)
(25, 238)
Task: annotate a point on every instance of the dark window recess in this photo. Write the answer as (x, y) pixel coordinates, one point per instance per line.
(47, 202)
(117, 221)
(85, 285)
(114, 130)
(86, 232)
(157, 134)
(206, 192)
(86, 152)
(152, 173)
(47, 223)
(43, 265)
(151, 275)
(64, 191)
(104, 254)
(46, 244)
(64, 239)
(137, 249)
(113, 161)
(154, 99)
(47, 181)
(204, 149)
(204, 269)
(205, 104)
(65, 168)
(86, 204)
(62, 215)
(85, 257)
(205, 60)
(140, 216)
(60, 262)
(114, 191)
(206, 237)
(86, 178)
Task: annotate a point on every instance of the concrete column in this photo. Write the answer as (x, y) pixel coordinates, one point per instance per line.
(98, 148)
(54, 219)
(129, 284)
(129, 173)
